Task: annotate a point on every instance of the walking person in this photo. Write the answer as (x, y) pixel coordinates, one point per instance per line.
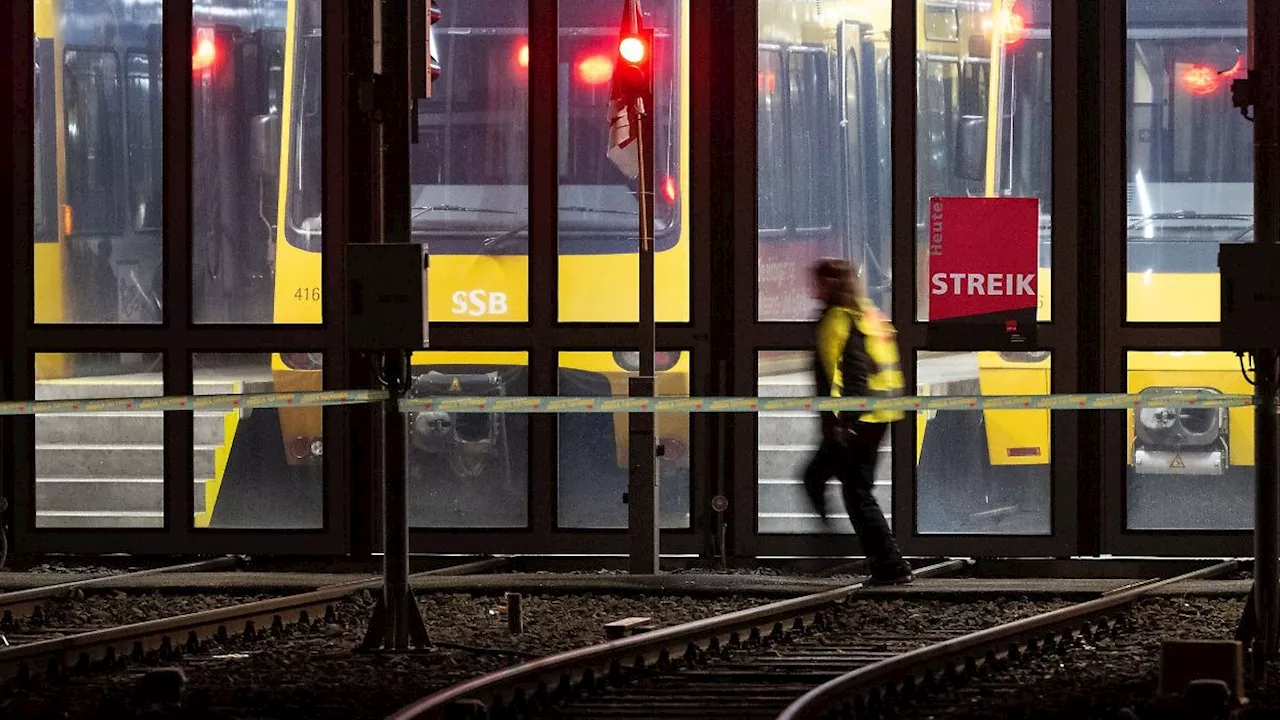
(855, 355)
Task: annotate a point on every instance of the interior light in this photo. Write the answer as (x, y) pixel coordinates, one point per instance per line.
(595, 70)
(206, 50)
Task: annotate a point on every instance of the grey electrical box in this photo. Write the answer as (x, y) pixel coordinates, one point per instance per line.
(1250, 295)
(387, 296)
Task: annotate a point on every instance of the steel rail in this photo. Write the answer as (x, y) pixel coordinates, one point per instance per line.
(137, 639)
(22, 604)
(985, 644)
(582, 662)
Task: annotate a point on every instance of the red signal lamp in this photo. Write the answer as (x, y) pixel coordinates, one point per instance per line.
(633, 49)
(205, 52)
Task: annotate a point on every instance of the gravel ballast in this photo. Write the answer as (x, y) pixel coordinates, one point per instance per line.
(1113, 678)
(314, 672)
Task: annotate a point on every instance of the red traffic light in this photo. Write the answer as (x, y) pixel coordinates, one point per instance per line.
(633, 49)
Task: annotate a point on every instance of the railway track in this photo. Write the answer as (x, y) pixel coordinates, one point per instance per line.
(23, 604)
(783, 660)
(54, 653)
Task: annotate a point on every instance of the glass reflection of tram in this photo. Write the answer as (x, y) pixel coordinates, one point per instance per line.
(470, 196)
(1190, 169)
(824, 146)
(99, 197)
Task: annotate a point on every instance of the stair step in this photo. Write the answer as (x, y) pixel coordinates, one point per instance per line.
(789, 496)
(100, 519)
(131, 495)
(806, 524)
(134, 386)
(121, 428)
(788, 461)
(113, 461)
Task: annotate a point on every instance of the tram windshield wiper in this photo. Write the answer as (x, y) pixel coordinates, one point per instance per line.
(458, 208)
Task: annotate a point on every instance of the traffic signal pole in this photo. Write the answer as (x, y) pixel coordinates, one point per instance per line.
(397, 621)
(642, 482)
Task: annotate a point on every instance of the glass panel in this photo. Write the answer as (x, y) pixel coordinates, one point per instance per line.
(599, 223)
(822, 123)
(983, 472)
(470, 167)
(102, 469)
(786, 443)
(255, 89)
(258, 468)
(594, 448)
(98, 150)
(468, 470)
(960, 151)
(1190, 180)
(1188, 468)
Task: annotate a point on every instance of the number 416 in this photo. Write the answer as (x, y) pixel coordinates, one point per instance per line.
(307, 294)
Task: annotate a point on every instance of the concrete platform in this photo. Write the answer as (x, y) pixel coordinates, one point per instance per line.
(672, 584)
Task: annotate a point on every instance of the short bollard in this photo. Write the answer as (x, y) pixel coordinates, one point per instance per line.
(515, 618)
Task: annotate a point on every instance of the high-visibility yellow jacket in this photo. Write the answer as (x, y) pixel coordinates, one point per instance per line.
(857, 356)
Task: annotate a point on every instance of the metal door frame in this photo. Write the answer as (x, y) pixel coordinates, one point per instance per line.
(1061, 335)
(1118, 333)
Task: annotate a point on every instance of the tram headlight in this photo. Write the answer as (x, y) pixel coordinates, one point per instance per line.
(1180, 427)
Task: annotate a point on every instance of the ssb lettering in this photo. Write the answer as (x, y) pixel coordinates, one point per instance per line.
(478, 303)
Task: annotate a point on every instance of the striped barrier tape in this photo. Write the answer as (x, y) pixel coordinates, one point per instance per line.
(194, 402)
(570, 405)
(562, 405)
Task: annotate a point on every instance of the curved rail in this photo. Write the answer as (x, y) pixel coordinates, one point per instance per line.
(137, 639)
(551, 669)
(946, 655)
(23, 603)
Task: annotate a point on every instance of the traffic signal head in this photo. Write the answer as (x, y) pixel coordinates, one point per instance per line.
(633, 72)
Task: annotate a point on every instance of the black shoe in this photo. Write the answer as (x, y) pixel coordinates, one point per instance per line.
(902, 579)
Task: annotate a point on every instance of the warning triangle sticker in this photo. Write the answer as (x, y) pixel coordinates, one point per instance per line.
(1177, 463)
(456, 386)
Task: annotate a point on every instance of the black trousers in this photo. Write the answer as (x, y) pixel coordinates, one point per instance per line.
(854, 463)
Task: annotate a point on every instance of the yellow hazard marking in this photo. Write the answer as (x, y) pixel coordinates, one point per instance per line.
(1177, 463)
(455, 386)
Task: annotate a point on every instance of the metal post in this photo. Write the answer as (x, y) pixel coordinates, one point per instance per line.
(1264, 48)
(642, 484)
(397, 620)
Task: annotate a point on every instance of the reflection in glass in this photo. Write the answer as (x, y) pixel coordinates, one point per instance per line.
(960, 152)
(468, 470)
(98, 156)
(1190, 154)
(822, 121)
(469, 168)
(983, 471)
(255, 468)
(594, 448)
(104, 469)
(1189, 468)
(786, 443)
(598, 218)
(245, 103)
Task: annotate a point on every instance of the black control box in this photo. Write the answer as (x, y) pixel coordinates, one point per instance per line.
(387, 296)
(1250, 295)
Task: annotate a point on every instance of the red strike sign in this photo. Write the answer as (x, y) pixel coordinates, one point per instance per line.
(984, 260)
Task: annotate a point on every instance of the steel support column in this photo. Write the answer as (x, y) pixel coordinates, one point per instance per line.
(1264, 77)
